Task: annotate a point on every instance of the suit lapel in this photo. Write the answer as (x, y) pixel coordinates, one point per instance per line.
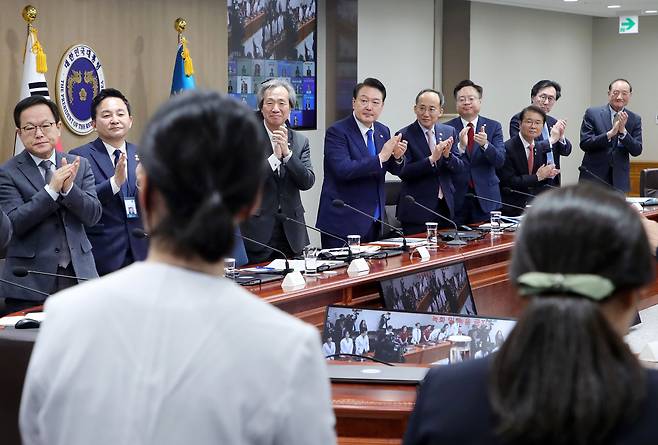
(357, 137)
(102, 159)
(419, 139)
(606, 116)
(27, 166)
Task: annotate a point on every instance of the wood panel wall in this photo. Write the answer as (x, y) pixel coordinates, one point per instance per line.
(135, 40)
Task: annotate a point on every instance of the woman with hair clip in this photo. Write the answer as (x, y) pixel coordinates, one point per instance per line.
(155, 353)
(564, 375)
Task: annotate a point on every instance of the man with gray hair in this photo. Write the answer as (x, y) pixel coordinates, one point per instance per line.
(289, 159)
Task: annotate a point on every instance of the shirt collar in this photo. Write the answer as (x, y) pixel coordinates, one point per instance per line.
(38, 160)
(612, 111)
(110, 149)
(362, 127)
(474, 122)
(425, 130)
(525, 143)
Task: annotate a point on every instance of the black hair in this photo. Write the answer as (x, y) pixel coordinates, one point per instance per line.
(533, 108)
(370, 82)
(620, 80)
(195, 151)
(442, 98)
(467, 83)
(31, 101)
(546, 84)
(564, 375)
(104, 94)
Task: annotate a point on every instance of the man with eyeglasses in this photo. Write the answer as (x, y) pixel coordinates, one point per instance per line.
(482, 148)
(527, 169)
(290, 171)
(431, 159)
(114, 162)
(358, 151)
(551, 140)
(49, 197)
(608, 136)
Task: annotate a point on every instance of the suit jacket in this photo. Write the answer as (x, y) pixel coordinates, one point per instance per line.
(281, 195)
(543, 145)
(421, 179)
(515, 175)
(601, 154)
(112, 237)
(481, 166)
(37, 222)
(352, 175)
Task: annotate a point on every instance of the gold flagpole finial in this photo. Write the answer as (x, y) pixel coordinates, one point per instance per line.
(180, 24)
(29, 14)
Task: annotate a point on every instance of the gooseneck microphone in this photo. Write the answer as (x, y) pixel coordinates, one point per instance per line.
(473, 195)
(22, 272)
(454, 242)
(584, 169)
(518, 192)
(11, 283)
(281, 217)
(340, 203)
(287, 269)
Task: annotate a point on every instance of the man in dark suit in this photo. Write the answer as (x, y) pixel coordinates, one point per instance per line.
(526, 168)
(113, 162)
(608, 135)
(358, 151)
(481, 143)
(551, 140)
(431, 158)
(289, 159)
(49, 198)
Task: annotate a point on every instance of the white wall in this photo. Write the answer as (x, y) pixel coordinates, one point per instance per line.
(512, 48)
(633, 57)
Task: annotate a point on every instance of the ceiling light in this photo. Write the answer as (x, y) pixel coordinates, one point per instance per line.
(614, 6)
(569, 1)
(651, 11)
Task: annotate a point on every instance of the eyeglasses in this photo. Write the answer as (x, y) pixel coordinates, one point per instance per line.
(616, 93)
(546, 98)
(464, 99)
(32, 129)
(422, 109)
(530, 123)
(364, 101)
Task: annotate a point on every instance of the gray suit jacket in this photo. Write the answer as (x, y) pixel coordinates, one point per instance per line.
(282, 190)
(37, 220)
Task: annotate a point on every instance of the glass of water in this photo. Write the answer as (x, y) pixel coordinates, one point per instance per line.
(229, 268)
(496, 222)
(311, 260)
(432, 233)
(354, 243)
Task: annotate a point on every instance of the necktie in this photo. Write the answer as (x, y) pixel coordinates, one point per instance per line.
(45, 165)
(531, 157)
(431, 143)
(544, 132)
(373, 152)
(471, 138)
(371, 144)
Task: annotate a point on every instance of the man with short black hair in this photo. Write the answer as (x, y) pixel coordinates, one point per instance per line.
(114, 161)
(358, 151)
(608, 136)
(551, 140)
(49, 198)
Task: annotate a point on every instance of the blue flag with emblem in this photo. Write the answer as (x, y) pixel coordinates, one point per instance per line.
(183, 69)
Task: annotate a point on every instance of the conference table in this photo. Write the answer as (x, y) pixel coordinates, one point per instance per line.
(375, 413)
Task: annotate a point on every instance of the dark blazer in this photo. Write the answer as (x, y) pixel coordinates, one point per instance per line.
(515, 175)
(5, 232)
(112, 237)
(543, 145)
(352, 175)
(453, 407)
(282, 191)
(37, 222)
(481, 166)
(421, 179)
(601, 154)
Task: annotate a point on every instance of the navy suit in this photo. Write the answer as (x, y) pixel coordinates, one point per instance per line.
(354, 176)
(480, 167)
(515, 175)
(41, 225)
(609, 159)
(421, 179)
(543, 145)
(112, 239)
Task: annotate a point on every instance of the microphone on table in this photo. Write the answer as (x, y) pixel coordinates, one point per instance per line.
(473, 195)
(518, 192)
(283, 218)
(584, 169)
(22, 272)
(287, 268)
(456, 241)
(11, 283)
(340, 203)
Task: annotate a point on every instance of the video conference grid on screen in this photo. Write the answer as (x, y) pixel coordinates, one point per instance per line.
(442, 290)
(408, 337)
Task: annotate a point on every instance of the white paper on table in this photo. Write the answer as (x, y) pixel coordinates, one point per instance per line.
(11, 321)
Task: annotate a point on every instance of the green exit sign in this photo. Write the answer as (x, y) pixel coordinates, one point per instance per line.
(629, 24)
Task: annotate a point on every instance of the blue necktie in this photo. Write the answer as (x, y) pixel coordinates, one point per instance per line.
(544, 132)
(373, 152)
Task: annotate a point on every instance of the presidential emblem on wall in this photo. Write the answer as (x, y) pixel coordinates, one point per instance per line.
(79, 78)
